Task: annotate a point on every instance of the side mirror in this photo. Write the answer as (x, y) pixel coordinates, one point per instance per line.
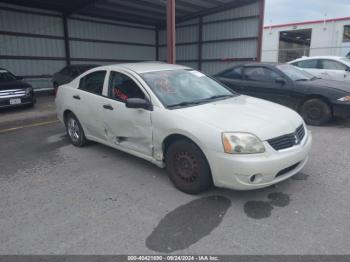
(19, 78)
(347, 69)
(138, 103)
(280, 81)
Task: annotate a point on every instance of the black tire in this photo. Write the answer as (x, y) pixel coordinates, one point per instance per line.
(187, 167)
(316, 112)
(75, 131)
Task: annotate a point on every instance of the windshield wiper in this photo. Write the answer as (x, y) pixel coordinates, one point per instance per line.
(303, 79)
(186, 103)
(217, 97)
(198, 102)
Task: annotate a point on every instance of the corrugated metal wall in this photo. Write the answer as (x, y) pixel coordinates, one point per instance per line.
(187, 37)
(110, 41)
(228, 37)
(241, 35)
(32, 42)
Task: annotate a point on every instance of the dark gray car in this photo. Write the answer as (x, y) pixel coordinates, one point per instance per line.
(68, 73)
(317, 100)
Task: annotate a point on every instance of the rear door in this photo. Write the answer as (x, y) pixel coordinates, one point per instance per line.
(333, 70)
(265, 83)
(233, 78)
(126, 127)
(89, 102)
(312, 66)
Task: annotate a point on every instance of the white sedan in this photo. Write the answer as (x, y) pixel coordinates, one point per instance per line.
(325, 67)
(178, 118)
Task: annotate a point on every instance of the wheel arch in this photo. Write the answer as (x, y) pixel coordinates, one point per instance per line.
(172, 138)
(66, 113)
(313, 96)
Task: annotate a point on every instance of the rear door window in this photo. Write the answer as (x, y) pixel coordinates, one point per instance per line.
(332, 65)
(311, 64)
(235, 73)
(260, 74)
(93, 82)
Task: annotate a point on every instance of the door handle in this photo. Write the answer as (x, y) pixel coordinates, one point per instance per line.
(76, 97)
(108, 107)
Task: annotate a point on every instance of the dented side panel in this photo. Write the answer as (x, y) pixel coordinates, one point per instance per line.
(129, 128)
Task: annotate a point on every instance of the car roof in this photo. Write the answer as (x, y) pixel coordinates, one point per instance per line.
(146, 67)
(262, 64)
(84, 65)
(318, 57)
(265, 64)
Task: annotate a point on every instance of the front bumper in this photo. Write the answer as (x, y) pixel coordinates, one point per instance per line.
(25, 100)
(271, 167)
(341, 110)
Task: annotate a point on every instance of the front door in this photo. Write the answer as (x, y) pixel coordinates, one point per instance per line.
(126, 127)
(267, 84)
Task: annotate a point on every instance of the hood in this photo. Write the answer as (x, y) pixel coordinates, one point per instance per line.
(340, 85)
(264, 119)
(15, 84)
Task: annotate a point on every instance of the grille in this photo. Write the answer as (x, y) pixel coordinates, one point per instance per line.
(287, 141)
(287, 170)
(11, 93)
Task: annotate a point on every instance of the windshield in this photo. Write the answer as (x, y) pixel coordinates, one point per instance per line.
(295, 73)
(177, 88)
(6, 76)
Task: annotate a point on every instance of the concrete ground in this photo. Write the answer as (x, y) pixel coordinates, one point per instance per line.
(59, 199)
(43, 111)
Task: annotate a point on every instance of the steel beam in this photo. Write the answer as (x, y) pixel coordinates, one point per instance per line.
(200, 43)
(171, 33)
(157, 43)
(261, 29)
(66, 40)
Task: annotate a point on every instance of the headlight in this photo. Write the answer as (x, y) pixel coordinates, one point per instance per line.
(242, 143)
(344, 99)
(29, 90)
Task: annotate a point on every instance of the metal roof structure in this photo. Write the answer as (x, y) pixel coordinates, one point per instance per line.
(147, 12)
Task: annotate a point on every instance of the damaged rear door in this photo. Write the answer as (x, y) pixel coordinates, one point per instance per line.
(126, 127)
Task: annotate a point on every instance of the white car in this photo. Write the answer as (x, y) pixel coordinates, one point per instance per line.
(326, 67)
(178, 118)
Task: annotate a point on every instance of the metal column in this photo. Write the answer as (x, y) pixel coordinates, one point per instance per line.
(66, 39)
(261, 29)
(171, 35)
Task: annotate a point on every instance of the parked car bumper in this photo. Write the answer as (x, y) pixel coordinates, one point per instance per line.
(341, 110)
(237, 171)
(24, 100)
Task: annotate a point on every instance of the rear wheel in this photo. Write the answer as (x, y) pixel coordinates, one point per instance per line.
(75, 131)
(187, 167)
(316, 112)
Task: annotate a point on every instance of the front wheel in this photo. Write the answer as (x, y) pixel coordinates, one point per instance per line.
(75, 131)
(316, 112)
(187, 167)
